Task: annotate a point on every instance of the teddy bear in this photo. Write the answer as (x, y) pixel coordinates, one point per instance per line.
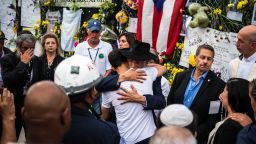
(200, 17)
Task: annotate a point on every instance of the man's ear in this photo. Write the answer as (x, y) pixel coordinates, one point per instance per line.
(90, 98)
(66, 118)
(94, 94)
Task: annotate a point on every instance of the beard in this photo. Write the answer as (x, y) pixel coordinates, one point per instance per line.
(94, 40)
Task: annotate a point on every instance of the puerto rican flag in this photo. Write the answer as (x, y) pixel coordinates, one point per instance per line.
(159, 23)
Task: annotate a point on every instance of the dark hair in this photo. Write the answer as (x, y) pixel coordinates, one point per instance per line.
(129, 37)
(154, 55)
(252, 89)
(116, 58)
(204, 46)
(51, 35)
(238, 96)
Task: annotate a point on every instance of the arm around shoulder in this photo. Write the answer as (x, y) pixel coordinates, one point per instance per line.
(160, 69)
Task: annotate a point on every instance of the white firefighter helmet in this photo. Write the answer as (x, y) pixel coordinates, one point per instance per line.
(77, 74)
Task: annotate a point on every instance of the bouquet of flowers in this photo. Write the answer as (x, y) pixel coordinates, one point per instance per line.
(40, 27)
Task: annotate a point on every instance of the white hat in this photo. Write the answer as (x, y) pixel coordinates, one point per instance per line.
(76, 74)
(176, 114)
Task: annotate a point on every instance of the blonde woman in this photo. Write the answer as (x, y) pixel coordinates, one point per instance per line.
(50, 56)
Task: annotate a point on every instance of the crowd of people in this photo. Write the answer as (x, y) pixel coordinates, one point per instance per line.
(102, 95)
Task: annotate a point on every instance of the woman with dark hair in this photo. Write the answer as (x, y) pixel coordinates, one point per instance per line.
(234, 98)
(247, 134)
(126, 40)
(50, 56)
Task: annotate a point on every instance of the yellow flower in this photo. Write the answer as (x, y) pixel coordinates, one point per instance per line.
(181, 70)
(170, 81)
(220, 27)
(245, 2)
(177, 44)
(191, 60)
(55, 29)
(217, 11)
(45, 23)
(129, 2)
(230, 5)
(48, 2)
(181, 46)
(121, 17)
(239, 6)
(27, 29)
(85, 24)
(95, 16)
(242, 4)
(36, 26)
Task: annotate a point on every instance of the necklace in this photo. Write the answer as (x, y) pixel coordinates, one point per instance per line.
(50, 61)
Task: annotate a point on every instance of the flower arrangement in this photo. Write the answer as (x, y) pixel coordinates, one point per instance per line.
(241, 4)
(47, 3)
(133, 4)
(171, 72)
(79, 36)
(121, 17)
(106, 10)
(218, 14)
(57, 28)
(219, 19)
(40, 27)
(172, 65)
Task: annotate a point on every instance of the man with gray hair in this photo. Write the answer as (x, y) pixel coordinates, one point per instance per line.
(20, 69)
(173, 135)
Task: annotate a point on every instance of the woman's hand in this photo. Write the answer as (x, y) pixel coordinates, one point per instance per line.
(241, 118)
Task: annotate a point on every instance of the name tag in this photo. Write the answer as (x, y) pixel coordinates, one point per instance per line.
(214, 107)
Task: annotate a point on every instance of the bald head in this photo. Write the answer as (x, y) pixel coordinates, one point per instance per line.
(173, 135)
(47, 111)
(43, 99)
(246, 41)
(250, 31)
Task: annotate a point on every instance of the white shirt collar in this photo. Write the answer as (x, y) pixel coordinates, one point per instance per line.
(97, 47)
(252, 58)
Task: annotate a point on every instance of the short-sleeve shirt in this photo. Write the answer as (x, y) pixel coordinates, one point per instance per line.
(134, 123)
(99, 54)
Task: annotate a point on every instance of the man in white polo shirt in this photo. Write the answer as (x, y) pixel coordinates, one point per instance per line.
(94, 48)
(97, 50)
(245, 65)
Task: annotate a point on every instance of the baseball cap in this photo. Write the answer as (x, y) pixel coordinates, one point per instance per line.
(176, 114)
(2, 35)
(94, 25)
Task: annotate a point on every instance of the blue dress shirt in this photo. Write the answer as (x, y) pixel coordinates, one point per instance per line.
(193, 88)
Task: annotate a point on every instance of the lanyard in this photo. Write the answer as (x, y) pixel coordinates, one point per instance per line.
(95, 55)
